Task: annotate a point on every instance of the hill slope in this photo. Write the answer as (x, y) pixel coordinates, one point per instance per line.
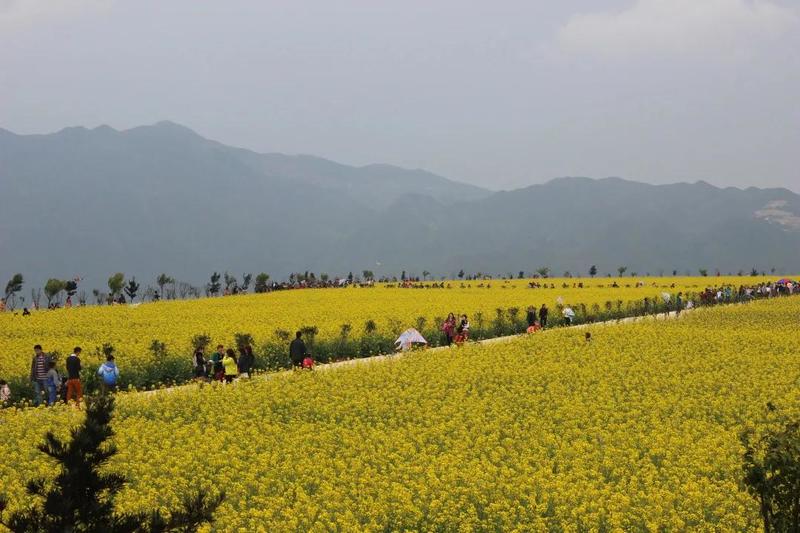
(162, 198)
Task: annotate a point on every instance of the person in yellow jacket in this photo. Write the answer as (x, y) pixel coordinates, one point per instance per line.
(230, 364)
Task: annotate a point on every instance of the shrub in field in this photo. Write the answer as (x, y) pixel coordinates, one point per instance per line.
(81, 497)
(772, 473)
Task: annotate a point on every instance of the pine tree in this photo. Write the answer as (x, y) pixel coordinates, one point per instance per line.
(81, 498)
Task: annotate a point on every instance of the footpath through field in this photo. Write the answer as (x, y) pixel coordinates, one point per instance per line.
(672, 315)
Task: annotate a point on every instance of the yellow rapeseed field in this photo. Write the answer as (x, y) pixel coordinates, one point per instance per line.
(131, 329)
(635, 431)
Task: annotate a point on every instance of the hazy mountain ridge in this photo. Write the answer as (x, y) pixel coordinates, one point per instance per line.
(162, 198)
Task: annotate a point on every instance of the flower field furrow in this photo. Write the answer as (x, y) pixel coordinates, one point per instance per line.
(636, 430)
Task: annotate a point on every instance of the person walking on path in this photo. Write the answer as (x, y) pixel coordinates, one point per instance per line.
(199, 363)
(218, 371)
(449, 329)
(543, 312)
(297, 350)
(40, 365)
(246, 360)
(53, 383)
(569, 315)
(109, 375)
(231, 366)
(530, 317)
(74, 388)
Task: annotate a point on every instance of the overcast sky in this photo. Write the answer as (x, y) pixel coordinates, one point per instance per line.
(500, 94)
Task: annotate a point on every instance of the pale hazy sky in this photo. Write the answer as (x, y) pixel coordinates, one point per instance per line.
(500, 94)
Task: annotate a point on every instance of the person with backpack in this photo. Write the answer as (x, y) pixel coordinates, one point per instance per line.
(74, 388)
(53, 383)
(40, 365)
(109, 375)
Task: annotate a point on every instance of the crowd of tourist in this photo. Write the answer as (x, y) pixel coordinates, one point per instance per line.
(224, 365)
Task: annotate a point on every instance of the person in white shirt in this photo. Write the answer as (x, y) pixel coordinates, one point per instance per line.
(569, 315)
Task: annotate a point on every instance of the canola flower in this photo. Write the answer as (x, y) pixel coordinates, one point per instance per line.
(132, 329)
(634, 431)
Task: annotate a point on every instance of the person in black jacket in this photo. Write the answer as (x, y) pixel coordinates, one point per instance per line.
(74, 388)
(297, 350)
(543, 311)
(246, 360)
(199, 364)
(531, 316)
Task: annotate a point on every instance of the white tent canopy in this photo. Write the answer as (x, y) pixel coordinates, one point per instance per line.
(409, 338)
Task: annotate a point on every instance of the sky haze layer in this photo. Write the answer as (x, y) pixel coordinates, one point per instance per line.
(500, 95)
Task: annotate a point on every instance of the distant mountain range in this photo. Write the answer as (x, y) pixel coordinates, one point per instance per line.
(162, 198)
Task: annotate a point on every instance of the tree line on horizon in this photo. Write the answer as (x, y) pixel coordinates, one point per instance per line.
(122, 290)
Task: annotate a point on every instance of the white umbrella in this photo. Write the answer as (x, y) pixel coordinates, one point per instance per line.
(408, 338)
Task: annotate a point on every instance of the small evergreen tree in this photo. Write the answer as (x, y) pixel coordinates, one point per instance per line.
(593, 271)
(81, 498)
(622, 270)
(246, 279)
(772, 472)
(132, 288)
(231, 284)
(214, 285)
